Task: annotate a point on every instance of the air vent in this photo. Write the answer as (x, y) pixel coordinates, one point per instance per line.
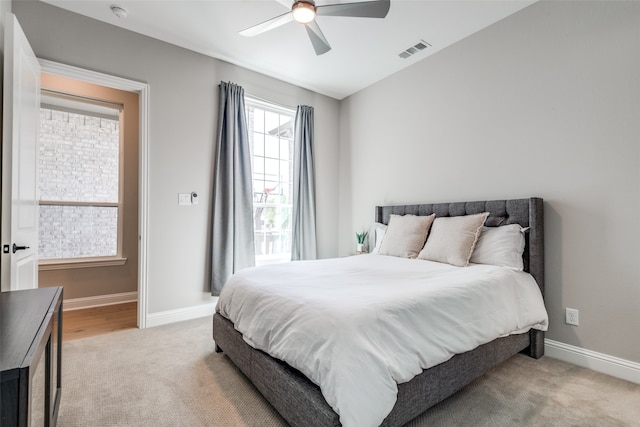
(416, 48)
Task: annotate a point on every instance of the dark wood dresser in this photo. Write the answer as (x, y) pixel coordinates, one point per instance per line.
(30, 357)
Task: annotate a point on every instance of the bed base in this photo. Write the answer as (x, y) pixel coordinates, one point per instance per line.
(300, 402)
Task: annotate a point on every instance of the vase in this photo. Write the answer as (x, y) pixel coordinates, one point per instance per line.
(360, 248)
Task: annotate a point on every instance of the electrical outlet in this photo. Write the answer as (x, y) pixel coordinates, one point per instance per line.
(571, 317)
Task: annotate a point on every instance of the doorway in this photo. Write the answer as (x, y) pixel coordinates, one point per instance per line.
(135, 171)
(88, 194)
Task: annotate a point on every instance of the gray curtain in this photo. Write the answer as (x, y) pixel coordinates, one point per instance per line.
(233, 239)
(303, 245)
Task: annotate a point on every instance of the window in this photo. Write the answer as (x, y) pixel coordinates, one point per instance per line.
(271, 141)
(80, 175)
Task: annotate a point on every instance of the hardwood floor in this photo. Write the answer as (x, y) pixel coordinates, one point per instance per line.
(88, 322)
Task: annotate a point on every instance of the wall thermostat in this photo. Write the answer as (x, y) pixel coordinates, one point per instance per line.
(194, 198)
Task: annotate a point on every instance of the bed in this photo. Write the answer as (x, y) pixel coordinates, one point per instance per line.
(301, 402)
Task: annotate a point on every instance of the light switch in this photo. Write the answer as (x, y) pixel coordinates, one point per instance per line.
(184, 199)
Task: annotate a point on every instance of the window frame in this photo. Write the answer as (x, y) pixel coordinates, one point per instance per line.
(271, 107)
(95, 261)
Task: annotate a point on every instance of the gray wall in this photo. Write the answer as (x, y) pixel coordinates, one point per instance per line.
(544, 103)
(183, 116)
(5, 6)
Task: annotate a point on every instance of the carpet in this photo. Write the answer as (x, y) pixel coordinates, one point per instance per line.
(171, 376)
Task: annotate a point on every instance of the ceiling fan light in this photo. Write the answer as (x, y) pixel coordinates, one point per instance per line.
(303, 12)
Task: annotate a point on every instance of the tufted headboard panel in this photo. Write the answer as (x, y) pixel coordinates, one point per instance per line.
(526, 212)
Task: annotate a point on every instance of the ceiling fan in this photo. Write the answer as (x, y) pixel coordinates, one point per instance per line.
(304, 12)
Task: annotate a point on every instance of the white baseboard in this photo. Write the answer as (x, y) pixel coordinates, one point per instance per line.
(610, 365)
(99, 301)
(178, 315)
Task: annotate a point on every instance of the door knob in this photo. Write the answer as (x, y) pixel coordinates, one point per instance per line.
(17, 248)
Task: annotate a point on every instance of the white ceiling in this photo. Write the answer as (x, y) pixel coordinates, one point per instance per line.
(364, 50)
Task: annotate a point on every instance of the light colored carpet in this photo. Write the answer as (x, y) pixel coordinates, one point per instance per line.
(171, 376)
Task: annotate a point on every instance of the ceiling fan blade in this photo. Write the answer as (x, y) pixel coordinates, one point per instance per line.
(286, 3)
(319, 42)
(268, 25)
(365, 9)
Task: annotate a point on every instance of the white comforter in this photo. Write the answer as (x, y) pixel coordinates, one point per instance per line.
(360, 325)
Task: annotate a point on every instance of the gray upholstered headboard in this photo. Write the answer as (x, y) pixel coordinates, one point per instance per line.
(526, 212)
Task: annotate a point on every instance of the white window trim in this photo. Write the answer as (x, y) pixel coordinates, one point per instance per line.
(268, 105)
(100, 261)
(88, 262)
(252, 101)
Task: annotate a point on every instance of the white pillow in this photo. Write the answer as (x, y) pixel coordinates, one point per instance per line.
(453, 239)
(405, 235)
(377, 233)
(502, 246)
